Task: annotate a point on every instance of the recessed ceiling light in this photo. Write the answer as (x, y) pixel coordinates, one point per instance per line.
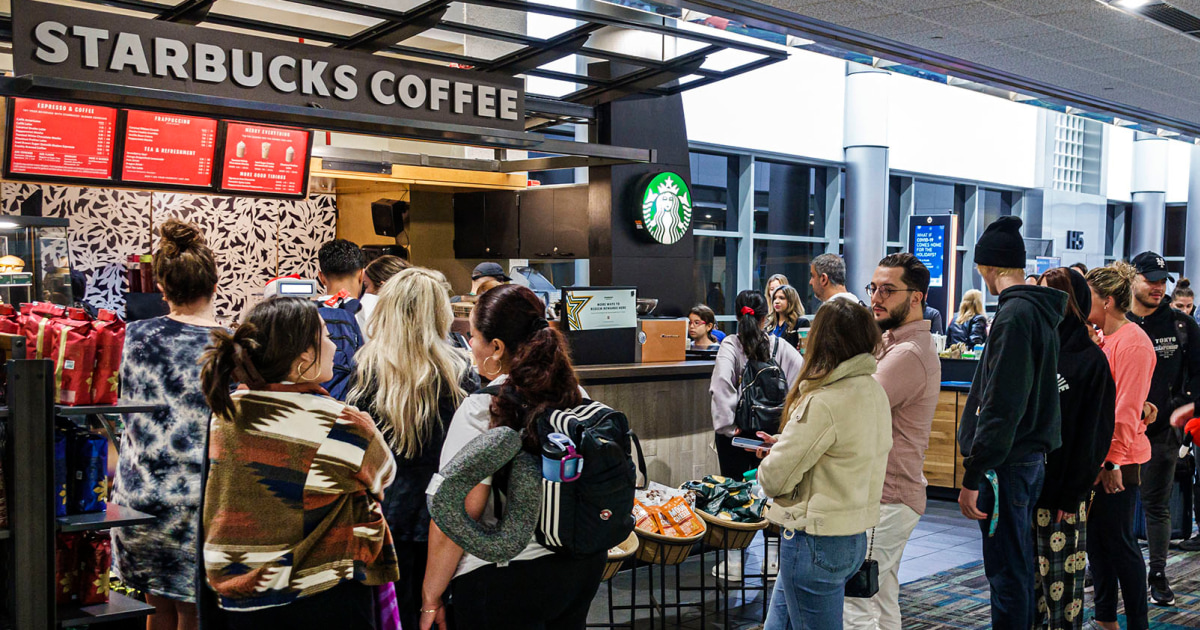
(1131, 4)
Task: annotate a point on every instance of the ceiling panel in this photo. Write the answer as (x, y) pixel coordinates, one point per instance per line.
(1120, 62)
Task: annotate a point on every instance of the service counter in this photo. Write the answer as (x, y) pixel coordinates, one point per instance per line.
(668, 408)
(943, 464)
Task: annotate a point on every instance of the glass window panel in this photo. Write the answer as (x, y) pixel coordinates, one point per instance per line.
(895, 197)
(933, 198)
(715, 279)
(714, 191)
(789, 199)
(1176, 231)
(789, 259)
(996, 204)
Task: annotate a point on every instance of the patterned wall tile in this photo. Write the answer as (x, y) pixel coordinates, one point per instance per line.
(303, 228)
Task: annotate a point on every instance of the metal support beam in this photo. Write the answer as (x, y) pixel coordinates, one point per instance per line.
(410, 23)
(543, 53)
(641, 80)
(187, 12)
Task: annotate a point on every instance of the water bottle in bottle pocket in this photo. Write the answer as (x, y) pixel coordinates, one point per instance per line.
(560, 462)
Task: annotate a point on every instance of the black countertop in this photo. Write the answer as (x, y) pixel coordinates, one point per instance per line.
(645, 371)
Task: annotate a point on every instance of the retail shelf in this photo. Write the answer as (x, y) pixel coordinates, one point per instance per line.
(118, 607)
(91, 410)
(114, 516)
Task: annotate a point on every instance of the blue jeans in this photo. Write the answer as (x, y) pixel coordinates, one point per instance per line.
(1009, 556)
(810, 590)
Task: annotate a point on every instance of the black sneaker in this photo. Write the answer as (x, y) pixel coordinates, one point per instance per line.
(1160, 590)
(1191, 544)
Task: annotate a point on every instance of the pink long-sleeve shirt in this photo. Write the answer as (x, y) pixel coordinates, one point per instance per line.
(1131, 358)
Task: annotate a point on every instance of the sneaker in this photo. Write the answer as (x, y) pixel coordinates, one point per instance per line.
(735, 570)
(1160, 589)
(1191, 544)
(772, 561)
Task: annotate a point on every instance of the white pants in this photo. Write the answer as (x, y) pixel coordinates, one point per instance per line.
(896, 523)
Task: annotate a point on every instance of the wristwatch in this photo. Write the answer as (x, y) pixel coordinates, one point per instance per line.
(1111, 466)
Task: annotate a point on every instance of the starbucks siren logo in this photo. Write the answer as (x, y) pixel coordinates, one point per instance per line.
(666, 208)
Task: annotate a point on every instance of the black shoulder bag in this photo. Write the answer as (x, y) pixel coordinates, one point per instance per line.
(865, 582)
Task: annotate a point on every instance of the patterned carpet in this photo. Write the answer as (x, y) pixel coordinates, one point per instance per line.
(958, 598)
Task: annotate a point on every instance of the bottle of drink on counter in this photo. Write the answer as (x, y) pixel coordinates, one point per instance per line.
(147, 274)
(133, 273)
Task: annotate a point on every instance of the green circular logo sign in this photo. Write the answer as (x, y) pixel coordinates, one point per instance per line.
(666, 208)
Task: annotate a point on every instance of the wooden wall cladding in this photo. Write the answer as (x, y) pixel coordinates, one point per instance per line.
(943, 464)
(672, 419)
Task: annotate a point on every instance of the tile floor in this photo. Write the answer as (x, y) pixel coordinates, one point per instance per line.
(942, 540)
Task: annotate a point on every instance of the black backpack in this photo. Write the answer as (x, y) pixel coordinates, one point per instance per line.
(594, 513)
(345, 334)
(762, 392)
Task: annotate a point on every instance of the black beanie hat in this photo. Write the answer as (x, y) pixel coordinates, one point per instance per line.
(1001, 244)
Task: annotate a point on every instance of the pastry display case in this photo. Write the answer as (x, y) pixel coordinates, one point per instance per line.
(35, 260)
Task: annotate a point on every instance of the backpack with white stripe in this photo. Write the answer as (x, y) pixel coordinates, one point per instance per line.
(594, 513)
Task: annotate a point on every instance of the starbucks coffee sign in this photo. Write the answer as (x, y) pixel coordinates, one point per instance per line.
(666, 212)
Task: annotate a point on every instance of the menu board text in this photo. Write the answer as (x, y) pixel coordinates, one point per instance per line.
(261, 159)
(61, 139)
(169, 149)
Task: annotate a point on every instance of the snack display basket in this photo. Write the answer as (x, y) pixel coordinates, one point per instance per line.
(618, 555)
(722, 534)
(667, 550)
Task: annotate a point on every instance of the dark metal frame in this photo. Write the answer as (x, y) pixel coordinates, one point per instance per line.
(642, 76)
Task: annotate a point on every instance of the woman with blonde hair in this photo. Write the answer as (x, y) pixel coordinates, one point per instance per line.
(774, 282)
(1116, 559)
(378, 272)
(970, 327)
(787, 315)
(825, 471)
(411, 381)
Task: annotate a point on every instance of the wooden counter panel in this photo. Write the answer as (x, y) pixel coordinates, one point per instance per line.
(940, 458)
(673, 421)
(641, 371)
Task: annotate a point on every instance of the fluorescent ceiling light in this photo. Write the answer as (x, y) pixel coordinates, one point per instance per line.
(1131, 4)
(9, 225)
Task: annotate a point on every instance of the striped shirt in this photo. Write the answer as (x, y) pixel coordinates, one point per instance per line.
(291, 507)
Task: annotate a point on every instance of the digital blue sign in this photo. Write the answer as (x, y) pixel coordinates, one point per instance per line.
(929, 246)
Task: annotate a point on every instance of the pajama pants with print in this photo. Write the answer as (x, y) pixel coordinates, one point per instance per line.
(1061, 559)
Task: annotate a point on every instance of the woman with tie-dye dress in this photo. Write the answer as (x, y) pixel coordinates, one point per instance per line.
(159, 469)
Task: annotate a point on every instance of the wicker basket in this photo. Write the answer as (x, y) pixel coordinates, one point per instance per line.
(618, 555)
(660, 549)
(720, 532)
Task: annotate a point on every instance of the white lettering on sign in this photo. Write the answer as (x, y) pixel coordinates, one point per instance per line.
(101, 44)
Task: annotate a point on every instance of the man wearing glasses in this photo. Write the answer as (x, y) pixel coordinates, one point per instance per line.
(1010, 421)
(911, 374)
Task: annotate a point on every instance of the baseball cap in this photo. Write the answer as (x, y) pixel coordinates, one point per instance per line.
(491, 269)
(1152, 266)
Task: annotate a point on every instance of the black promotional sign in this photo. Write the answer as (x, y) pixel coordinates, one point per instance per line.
(83, 45)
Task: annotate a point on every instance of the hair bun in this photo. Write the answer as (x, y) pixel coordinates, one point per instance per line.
(1126, 271)
(1183, 283)
(179, 236)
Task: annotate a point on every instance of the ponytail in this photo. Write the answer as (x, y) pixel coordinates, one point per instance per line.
(540, 374)
(751, 309)
(226, 362)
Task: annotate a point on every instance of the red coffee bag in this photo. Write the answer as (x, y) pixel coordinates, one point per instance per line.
(109, 333)
(95, 562)
(66, 568)
(74, 357)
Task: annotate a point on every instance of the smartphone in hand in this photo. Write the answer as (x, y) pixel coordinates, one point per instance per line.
(741, 442)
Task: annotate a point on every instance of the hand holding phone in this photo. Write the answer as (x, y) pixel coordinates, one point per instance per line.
(749, 444)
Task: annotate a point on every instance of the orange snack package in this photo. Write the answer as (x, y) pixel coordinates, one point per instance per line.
(680, 518)
(643, 517)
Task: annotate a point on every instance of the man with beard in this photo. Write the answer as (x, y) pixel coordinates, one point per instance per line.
(911, 374)
(1176, 382)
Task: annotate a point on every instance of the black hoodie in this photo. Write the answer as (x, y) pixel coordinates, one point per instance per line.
(1013, 408)
(1176, 380)
(1088, 397)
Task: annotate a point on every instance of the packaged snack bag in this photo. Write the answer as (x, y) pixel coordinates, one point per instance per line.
(95, 562)
(680, 517)
(89, 473)
(60, 472)
(643, 518)
(66, 568)
(74, 356)
(109, 333)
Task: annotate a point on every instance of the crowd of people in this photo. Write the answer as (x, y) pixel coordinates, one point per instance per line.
(289, 465)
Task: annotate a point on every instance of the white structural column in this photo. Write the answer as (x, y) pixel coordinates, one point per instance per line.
(866, 156)
(1191, 264)
(1149, 194)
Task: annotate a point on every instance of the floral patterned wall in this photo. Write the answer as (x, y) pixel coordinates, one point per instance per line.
(254, 239)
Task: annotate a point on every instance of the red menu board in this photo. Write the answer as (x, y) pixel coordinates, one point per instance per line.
(270, 160)
(168, 149)
(63, 140)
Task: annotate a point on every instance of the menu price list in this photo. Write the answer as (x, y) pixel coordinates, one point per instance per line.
(62, 139)
(169, 149)
(268, 160)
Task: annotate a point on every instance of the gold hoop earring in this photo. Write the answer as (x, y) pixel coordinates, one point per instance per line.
(304, 373)
(483, 367)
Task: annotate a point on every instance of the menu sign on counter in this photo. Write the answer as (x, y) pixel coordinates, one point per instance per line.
(61, 141)
(169, 149)
(600, 308)
(265, 160)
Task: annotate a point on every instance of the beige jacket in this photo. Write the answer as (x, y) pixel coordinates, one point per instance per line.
(826, 473)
